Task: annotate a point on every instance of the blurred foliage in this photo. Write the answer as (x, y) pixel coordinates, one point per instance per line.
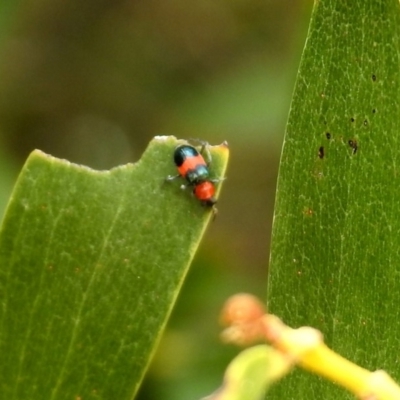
(93, 81)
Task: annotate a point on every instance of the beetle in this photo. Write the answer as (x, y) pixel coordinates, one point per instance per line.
(194, 169)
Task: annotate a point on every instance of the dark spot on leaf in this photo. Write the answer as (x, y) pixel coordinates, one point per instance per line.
(321, 152)
(328, 135)
(354, 145)
(308, 212)
(352, 119)
(373, 111)
(373, 77)
(365, 122)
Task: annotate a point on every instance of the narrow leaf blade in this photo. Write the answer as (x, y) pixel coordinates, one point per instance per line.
(90, 266)
(335, 259)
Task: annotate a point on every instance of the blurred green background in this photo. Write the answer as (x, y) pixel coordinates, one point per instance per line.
(94, 80)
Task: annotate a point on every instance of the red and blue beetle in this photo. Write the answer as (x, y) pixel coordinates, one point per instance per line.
(194, 169)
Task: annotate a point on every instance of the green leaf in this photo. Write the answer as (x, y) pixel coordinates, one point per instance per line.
(251, 373)
(335, 260)
(90, 266)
